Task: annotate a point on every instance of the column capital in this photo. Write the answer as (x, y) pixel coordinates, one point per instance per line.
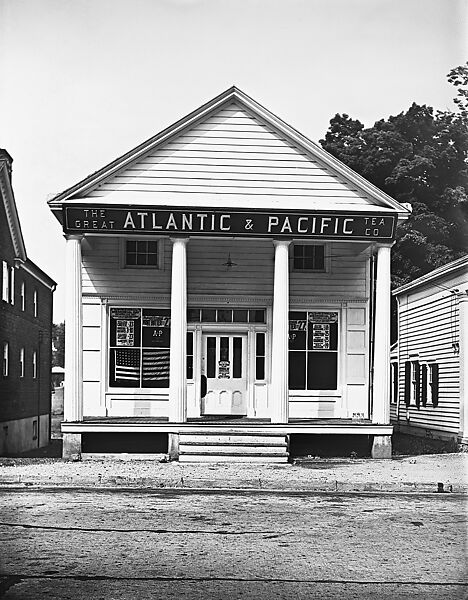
(73, 236)
(183, 239)
(277, 242)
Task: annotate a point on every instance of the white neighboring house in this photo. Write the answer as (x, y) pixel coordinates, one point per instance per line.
(429, 367)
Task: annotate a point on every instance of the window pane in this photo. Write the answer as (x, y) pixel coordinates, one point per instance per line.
(320, 257)
(297, 370)
(240, 316)
(131, 258)
(156, 328)
(209, 315)
(297, 330)
(237, 358)
(189, 367)
(131, 246)
(155, 368)
(189, 342)
(260, 367)
(224, 316)
(193, 315)
(125, 326)
(224, 348)
(125, 367)
(141, 259)
(260, 344)
(321, 370)
(211, 357)
(256, 316)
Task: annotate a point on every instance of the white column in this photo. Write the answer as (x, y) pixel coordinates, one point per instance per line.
(73, 393)
(279, 353)
(381, 381)
(463, 358)
(178, 377)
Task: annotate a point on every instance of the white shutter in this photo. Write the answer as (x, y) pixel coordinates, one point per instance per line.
(5, 291)
(12, 285)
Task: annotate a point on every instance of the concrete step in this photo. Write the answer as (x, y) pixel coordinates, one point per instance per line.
(230, 438)
(234, 449)
(231, 447)
(216, 458)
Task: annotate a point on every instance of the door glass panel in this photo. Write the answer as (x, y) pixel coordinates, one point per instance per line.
(237, 358)
(211, 357)
(224, 348)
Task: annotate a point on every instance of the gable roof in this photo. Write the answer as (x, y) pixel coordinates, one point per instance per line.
(9, 204)
(150, 166)
(461, 264)
(6, 191)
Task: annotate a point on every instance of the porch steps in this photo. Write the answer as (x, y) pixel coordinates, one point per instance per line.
(233, 447)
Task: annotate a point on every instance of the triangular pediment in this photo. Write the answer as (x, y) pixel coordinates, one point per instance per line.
(230, 153)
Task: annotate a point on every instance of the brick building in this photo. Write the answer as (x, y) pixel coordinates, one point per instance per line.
(25, 333)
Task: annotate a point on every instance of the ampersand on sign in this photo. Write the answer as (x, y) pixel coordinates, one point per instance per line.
(248, 224)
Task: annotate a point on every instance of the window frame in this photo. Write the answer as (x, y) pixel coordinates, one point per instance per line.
(326, 257)
(319, 391)
(21, 361)
(35, 302)
(23, 296)
(34, 364)
(5, 359)
(160, 252)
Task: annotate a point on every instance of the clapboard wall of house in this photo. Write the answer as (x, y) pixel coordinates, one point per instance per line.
(429, 331)
(207, 272)
(105, 281)
(230, 156)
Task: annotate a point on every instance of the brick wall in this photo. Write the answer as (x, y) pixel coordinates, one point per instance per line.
(22, 397)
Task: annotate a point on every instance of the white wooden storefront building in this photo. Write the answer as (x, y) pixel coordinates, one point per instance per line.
(267, 293)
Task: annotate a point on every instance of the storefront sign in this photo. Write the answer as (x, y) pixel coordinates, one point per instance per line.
(229, 223)
(223, 369)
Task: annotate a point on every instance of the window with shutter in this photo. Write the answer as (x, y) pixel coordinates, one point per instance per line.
(416, 383)
(424, 385)
(407, 382)
(435, 384)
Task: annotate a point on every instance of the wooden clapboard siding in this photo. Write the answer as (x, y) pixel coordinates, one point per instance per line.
(235, 155)
(208, 274)
(346, 277)
(103, 275)
(428, 326)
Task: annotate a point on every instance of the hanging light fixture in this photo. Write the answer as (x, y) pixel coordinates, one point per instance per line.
(229, 262)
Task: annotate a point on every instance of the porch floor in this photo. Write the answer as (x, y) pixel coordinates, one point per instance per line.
(226, 424)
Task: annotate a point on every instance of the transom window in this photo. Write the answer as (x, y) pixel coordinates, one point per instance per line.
(141, 253)
(308, 257)
(225, 315)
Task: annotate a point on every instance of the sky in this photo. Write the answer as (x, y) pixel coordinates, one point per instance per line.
(84, 81)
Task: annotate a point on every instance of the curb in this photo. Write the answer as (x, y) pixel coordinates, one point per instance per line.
(257, 484)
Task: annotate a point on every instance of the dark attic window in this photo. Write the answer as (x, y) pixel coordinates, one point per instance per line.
(141, 253)
(308, 257)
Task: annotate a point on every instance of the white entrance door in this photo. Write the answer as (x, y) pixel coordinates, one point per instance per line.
(224, 364)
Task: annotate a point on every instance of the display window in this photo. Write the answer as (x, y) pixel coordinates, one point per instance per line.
(139, 347)
(313, 350)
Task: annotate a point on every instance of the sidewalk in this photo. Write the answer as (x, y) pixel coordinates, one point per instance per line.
(424, 473)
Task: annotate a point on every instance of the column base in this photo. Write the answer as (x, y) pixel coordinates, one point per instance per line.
(382, 446)
(71, 446)
(173, 446)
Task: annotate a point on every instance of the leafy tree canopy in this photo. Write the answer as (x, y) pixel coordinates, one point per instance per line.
(420, 157)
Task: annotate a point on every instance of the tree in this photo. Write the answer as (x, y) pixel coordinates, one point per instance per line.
(58, 345)
(420, 157)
